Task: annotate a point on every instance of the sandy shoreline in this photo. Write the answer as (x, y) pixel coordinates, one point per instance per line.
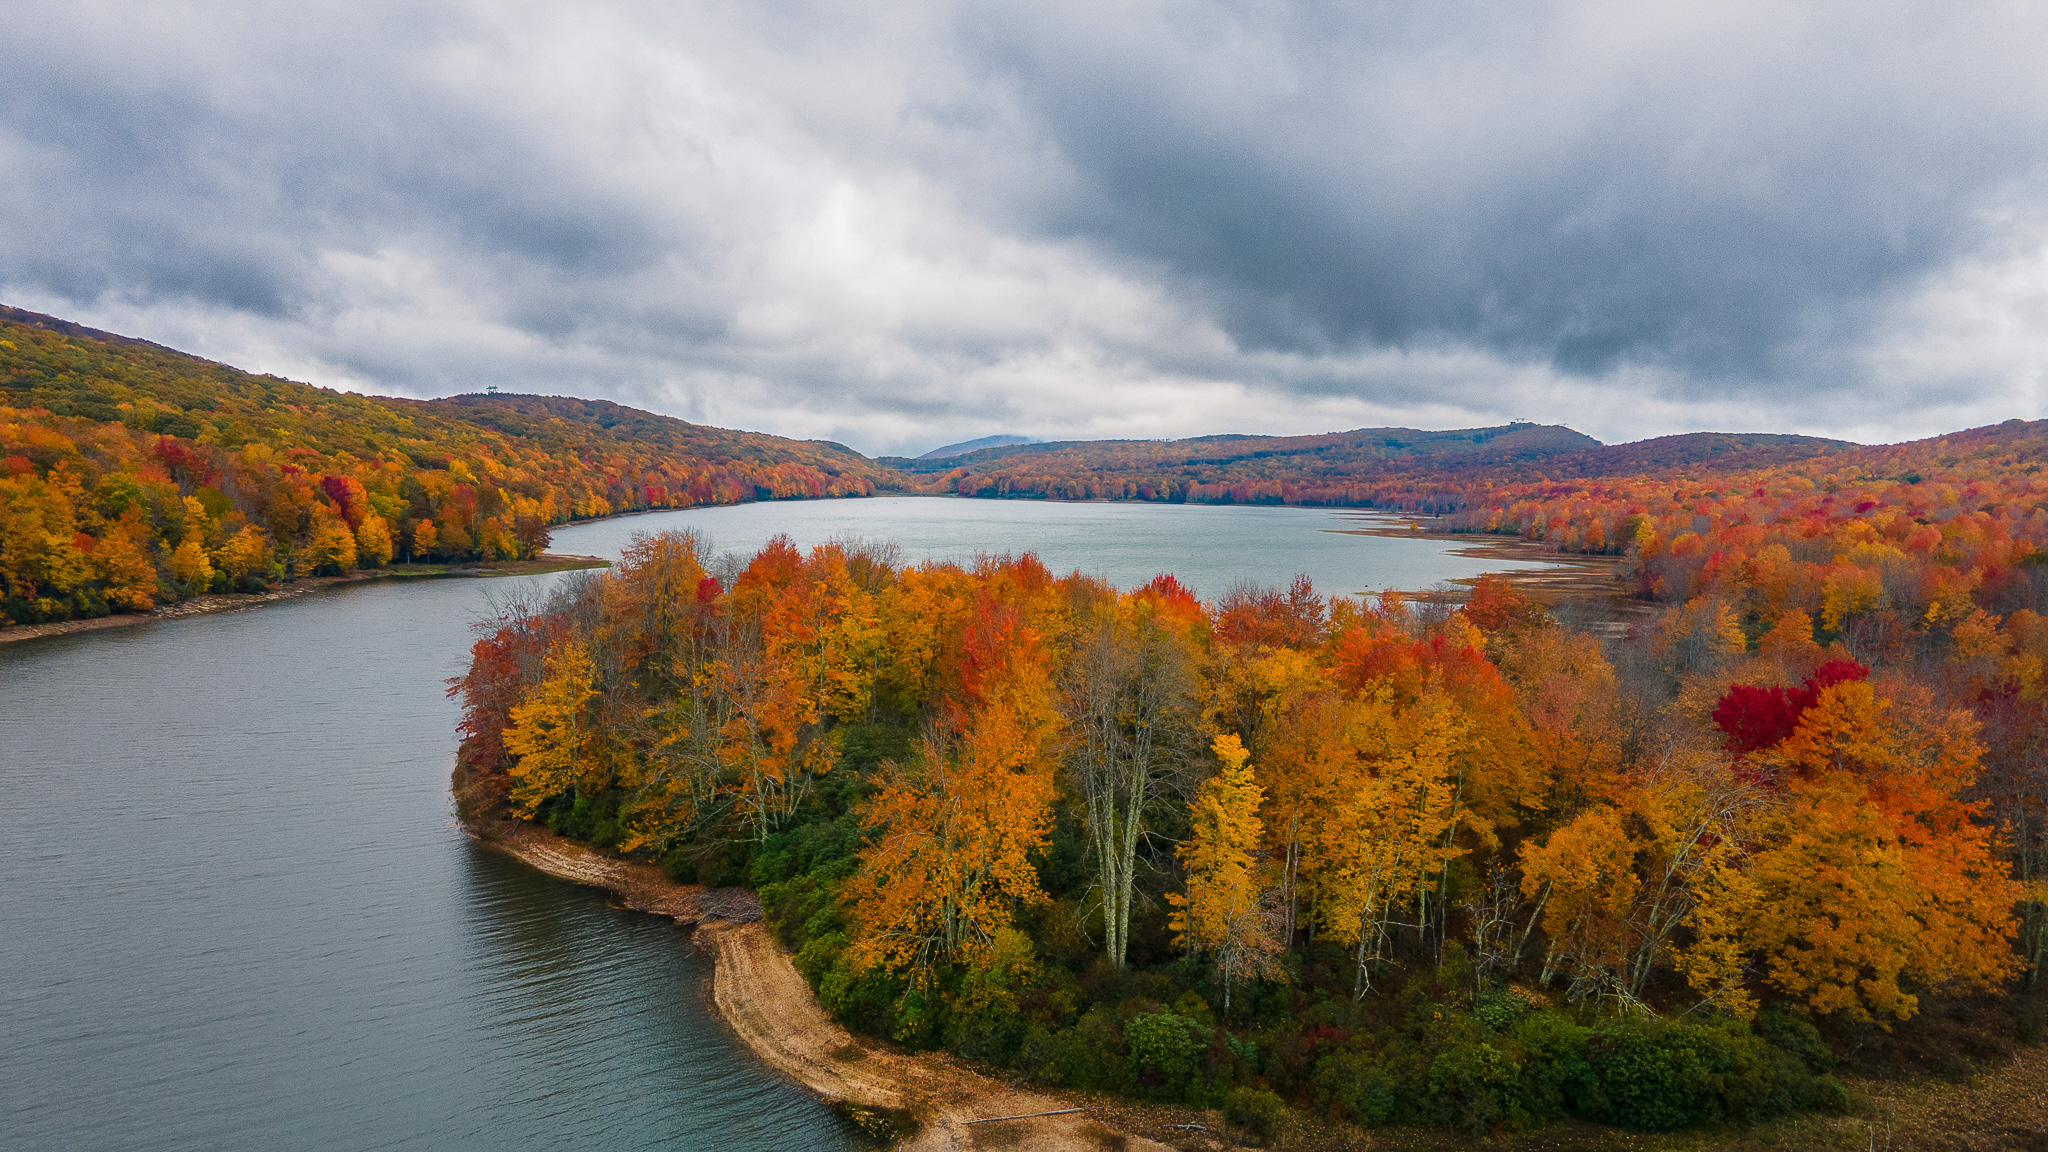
(236, 602)
(771, 1009)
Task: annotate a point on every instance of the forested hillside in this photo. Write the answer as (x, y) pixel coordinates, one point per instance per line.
(1363, 468)
(1337, 468)
(132, 475)
(1891, 537)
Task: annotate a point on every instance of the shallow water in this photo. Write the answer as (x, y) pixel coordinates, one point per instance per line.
(236, 911)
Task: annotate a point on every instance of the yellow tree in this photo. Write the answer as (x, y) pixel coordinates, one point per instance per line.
(245, 557)
(1875, 875)
(949, 833)
(123, 562)
(1227, 910)
(1386, 832)
(1303, 758)
(331, 550)
(189, 566)
(551, 733)
(373, 541)
(1618, 883)
(1583, 877)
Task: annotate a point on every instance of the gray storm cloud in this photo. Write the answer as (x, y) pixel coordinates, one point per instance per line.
(905, 224)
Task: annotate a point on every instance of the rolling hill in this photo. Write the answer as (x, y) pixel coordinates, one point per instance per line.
(132, 474)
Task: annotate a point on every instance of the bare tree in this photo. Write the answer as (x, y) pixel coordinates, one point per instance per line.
(1130, 705)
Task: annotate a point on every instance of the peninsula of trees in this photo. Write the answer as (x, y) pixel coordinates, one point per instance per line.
(1396, 861)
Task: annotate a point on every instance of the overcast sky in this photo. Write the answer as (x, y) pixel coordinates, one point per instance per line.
(901, 224)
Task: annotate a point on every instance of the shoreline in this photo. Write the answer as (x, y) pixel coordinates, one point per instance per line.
(1588, 583)
(926, 1102)
(922, 1102)
(211, 604)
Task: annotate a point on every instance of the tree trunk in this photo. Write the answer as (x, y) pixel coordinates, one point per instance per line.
(1358, 980)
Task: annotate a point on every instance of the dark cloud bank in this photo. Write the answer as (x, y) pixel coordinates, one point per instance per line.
(902, 225)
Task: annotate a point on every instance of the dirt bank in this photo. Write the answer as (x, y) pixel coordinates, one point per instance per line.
(771, 1009)
(769, 1006)
(236, 602)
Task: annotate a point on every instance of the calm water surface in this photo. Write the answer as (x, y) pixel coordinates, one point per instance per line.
(1208, 547)
(236, 912)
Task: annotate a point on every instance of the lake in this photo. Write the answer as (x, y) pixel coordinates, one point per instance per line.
(239, 913)
(1208, 546)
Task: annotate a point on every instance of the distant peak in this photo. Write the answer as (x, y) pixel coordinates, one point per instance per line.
(966, 446)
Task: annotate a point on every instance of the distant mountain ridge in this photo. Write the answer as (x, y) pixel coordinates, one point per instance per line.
(627, 459)
(966, 446)
(1235, 468)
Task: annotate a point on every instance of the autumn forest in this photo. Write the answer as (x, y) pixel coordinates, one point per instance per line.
(1401, 861)
(132, 475)
(1472, 859)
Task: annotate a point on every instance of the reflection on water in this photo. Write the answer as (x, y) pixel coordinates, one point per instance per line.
(238, 914)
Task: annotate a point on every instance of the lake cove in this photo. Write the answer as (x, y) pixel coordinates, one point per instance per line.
(241, 914)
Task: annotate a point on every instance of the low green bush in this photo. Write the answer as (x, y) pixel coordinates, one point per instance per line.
(1653, 1075)
(1256, 1110)
(591, 819)
(1164, 1050)
(1358, 1085)
(1794, 1033)
(1445, 1069)
(818, 956)
(1555, 1074)
(864, 1001)
(987, 1021)
(920, 1018)
(1498, 1009)
(1476, 1086)
(1088, 1055)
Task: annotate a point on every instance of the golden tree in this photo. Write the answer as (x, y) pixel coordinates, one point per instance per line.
(950, 832)
(1228, 909)
(551, 733)
(1388, 828)
(1876, 876)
